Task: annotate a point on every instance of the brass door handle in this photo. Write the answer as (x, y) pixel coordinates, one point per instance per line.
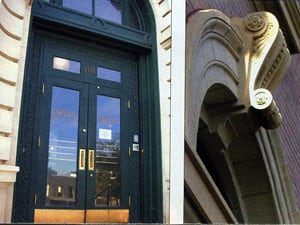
(91, 159)
(81, 165)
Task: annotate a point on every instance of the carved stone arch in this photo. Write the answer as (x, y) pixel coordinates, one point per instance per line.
(211, 151)
(230, 65)
(212, 56)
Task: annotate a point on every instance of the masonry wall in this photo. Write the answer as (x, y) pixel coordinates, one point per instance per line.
(287, 96)
(230, 8)
(163, 13)
(14, 19)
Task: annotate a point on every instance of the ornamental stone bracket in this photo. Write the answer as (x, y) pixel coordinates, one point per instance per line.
(232, 66)
(266, 60)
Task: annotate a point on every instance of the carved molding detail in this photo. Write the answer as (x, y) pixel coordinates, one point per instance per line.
(266, 64)
(266, 109)
(261, 61)
(269, 56)
(260, 51)
(255, 22)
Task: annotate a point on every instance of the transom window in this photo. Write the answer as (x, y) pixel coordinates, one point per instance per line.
(117, 11)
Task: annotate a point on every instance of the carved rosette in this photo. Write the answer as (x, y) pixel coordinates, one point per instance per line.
(256, 23)
(267, 111)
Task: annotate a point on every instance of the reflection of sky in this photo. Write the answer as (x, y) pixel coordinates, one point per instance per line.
(66, 65)
(63, 130)
(63, 138)
(109, 10)
(108, 115)
(84, 6)
(106, 9)
(108, 74)
(64, 114)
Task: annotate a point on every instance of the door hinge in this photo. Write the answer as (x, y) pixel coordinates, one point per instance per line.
(39, 141)
(129, 151)
(128, 104)
(129, 200)
(35, 199)
(43, 88)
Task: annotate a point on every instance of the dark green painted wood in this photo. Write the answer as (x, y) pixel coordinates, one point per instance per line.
(54, 14)
(143, 45)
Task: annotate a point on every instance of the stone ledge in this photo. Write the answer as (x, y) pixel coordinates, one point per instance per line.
(5, 144)
(8, 173)
(7, 95)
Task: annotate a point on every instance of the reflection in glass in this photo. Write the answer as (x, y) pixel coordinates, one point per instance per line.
(134, 20)
(108, 182)
(79, 5)
(62, 153)
(118, 11)
(66, 65)
(109, 9)
(108, 74)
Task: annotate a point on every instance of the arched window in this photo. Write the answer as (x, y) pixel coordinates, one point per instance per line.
(117, 11)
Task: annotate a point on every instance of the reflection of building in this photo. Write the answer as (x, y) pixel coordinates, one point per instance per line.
(236, 168)
(61, 190)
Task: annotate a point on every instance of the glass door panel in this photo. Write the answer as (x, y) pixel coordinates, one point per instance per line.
(86, 138)
(62, 150)
(108, 180)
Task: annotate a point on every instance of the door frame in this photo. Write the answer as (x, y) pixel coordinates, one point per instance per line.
(49, 78)
(151, 206)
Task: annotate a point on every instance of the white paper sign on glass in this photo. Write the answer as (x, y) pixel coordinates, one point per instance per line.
(105, 134)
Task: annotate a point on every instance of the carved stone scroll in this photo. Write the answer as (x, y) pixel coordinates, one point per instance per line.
(267, 59)
(266, 109)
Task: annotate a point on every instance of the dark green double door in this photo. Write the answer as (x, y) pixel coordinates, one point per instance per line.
(88, 131)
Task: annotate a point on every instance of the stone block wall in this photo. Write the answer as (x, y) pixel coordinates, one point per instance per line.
(163, 13)
(14, 21)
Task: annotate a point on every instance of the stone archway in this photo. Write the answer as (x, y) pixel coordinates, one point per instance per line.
(231, 66)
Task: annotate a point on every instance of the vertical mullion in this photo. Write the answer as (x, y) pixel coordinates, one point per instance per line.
(57, 2)
(93, 8)
(125, 12)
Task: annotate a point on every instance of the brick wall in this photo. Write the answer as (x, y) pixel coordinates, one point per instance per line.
(231, 8)
(287, 96)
